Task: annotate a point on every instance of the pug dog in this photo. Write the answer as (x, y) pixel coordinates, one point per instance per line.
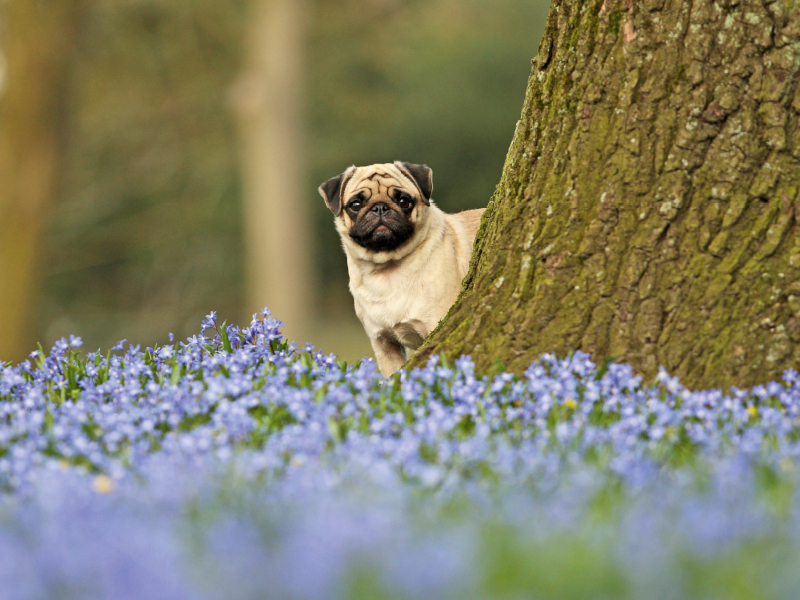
(406, 258)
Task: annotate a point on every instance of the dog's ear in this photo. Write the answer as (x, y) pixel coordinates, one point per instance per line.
(333, 189)
(421, 175)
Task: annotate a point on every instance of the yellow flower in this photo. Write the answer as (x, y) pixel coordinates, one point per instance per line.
(752, 411)
(570, 403)
(102, 484)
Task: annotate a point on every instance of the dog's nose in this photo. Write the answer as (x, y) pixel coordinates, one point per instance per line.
(381, 209)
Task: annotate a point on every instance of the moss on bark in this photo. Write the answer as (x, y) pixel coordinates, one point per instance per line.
(648, 205)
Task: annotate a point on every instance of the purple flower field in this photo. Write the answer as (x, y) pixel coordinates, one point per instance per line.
(236, 465)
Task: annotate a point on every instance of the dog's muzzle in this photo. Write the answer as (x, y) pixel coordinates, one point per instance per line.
(381, 229)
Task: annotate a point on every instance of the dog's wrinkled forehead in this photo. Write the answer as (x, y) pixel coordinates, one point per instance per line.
(417, 180)
(378, 180)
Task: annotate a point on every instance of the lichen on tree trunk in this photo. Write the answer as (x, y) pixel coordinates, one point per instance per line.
(648, 206)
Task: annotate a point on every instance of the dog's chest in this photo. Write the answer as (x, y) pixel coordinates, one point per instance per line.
(393, 296)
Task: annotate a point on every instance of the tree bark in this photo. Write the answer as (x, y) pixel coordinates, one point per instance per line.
(269, 101)
(40, 38)
(648, 206)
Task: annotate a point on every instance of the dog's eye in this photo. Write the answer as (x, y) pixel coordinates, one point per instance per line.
(355, 205)
(404, 201)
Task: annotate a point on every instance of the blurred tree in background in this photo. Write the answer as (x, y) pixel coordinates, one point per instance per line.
(33, 93)
(268, 99)
(147, 232)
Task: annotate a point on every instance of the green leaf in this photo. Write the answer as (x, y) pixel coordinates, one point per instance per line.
(49, 420)
(334, 430)
(226, 342)
(604, 368)
(175, 377)
(41, 357)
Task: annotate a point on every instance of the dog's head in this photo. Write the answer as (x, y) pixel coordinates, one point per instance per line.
(380, 206)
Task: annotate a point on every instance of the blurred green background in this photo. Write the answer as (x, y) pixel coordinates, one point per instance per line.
(156, 199)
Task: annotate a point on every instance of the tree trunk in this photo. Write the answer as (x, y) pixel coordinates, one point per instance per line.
(40, 38)
(649, 202)
(269, 102)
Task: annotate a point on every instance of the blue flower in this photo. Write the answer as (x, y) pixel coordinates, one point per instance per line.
(318, 465)
(210, 321)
